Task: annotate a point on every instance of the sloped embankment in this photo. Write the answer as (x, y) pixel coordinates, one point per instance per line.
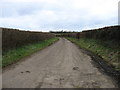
(18, 44)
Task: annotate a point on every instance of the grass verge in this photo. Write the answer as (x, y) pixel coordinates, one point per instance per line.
(110, 55)
(16, 54)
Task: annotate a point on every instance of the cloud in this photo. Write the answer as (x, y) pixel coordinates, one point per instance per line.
(48, 15)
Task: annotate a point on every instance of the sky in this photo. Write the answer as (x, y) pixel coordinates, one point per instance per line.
(55, 15)
(119, 13)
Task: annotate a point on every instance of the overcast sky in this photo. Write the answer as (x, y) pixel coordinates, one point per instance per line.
(46, 15)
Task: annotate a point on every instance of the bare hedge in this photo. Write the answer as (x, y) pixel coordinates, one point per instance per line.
(106, 33)
(13, 38)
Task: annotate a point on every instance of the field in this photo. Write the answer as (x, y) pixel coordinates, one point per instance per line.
(62, 64)
(104, 42)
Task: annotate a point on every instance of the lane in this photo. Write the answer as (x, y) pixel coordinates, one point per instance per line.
(61, 65)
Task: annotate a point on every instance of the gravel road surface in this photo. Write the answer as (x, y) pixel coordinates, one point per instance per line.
(61, 65)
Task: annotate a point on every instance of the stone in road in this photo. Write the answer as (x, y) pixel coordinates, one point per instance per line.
(61, 65)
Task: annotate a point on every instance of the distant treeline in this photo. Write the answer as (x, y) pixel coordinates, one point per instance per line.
(12, 38)
(106, 33)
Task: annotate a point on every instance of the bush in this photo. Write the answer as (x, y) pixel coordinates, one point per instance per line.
(12, 38)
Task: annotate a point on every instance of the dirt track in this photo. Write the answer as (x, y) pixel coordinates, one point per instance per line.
(61, 65)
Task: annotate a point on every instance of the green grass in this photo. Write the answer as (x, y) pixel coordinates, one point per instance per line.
(16, 54)
(109, 54)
